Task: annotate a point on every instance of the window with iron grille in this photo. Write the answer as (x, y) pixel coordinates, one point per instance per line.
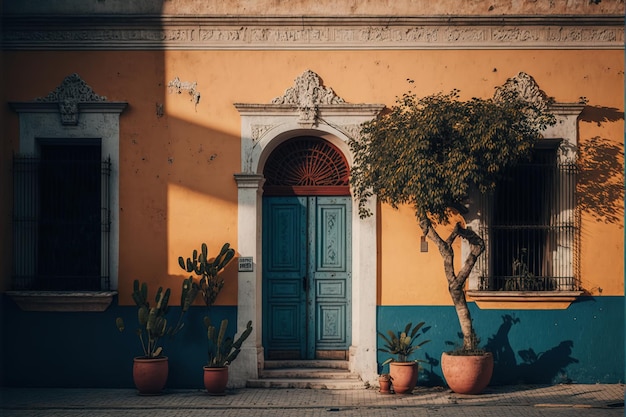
(531, 228)
(61, 217)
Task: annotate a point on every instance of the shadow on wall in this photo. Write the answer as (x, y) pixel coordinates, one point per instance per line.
(599, 114)
(601, 175)
(547, 367)
(601, 180)
(432, 378)
(536, 368)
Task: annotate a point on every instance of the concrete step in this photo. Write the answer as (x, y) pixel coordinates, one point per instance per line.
(317, 363)
(306, 373)
(307, 383)
(315, 374)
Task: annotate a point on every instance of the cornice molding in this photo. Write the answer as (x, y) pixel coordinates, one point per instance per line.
(149, 32)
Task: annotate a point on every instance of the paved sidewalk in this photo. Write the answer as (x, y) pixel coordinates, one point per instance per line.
(509, 401)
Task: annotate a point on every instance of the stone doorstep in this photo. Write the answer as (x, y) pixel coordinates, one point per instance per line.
(307, 383)
(306, 364)
(306, 373)
(315, 374)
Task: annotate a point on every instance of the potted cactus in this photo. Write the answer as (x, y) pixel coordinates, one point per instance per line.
(222, 351)
(151, 369)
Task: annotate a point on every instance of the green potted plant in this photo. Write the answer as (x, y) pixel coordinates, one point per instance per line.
(222, 351)
(402, 371)
(151, 369)
(429, 153)
(522, 279)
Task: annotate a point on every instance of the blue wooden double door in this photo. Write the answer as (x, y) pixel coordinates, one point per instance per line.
(306, 277)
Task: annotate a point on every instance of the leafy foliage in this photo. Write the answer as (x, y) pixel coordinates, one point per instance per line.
(431, 152)
(428, 152)
(401, 343)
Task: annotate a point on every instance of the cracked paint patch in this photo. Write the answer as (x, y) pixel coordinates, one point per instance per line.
(177, 86)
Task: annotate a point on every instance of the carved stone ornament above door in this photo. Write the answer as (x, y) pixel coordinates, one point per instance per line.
(307, 94)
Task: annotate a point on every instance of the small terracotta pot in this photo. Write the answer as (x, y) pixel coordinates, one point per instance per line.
(215, 380)
(467, 374)
(403, 376)
(150, 374)
(385, 385)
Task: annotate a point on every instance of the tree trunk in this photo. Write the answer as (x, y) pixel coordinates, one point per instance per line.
(456, 282)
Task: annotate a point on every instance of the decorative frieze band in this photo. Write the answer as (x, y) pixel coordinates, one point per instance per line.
(202, 33)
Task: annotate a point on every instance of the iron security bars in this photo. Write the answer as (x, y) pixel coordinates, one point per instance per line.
(531, 230)
(61, 219)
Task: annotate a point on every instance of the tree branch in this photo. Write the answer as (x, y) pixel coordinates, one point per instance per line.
(477, 247)
(456, 282)
(445, 249)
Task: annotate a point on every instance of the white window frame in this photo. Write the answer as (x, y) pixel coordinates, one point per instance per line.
(566, 129)
(74, 111)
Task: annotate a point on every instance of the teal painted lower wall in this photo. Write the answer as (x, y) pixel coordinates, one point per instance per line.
(582, 344)
(87, 350)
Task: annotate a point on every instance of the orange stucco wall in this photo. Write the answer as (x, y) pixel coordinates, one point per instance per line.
(176, 170)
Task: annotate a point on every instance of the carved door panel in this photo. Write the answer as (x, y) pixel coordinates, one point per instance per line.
(306, 277)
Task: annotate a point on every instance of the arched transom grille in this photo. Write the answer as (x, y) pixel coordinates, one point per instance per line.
(306, 166)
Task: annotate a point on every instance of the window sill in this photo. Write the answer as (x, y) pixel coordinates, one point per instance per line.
(523, 300)
(62, 300)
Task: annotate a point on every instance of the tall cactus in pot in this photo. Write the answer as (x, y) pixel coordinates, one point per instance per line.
(152, 319)
(209, 284)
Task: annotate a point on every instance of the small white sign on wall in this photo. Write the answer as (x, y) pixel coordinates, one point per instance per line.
(246, 264)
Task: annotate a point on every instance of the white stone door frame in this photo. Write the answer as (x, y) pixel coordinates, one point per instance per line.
(307, 109)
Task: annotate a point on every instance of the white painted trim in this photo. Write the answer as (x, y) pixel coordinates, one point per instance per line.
(263, 128)
(101, 121)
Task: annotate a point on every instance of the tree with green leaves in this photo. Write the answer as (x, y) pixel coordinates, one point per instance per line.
(430, 152)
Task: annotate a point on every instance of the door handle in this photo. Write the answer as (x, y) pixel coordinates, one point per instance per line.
(304, 283)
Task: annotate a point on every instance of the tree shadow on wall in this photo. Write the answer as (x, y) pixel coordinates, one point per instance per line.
(599, 114)
(601, 179)
(601, 172)
(429, 377)
(547, 367)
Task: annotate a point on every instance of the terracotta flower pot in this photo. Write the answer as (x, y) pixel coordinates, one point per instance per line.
(385, 384)
(150, 374)
(215, 379)
(403, 376)
(467, 374)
